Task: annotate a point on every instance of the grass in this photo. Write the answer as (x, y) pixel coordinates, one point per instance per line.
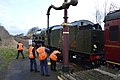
(6, 56)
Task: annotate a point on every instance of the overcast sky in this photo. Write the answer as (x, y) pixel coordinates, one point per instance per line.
(18, 16)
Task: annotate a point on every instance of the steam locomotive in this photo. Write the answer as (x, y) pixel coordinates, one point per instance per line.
(86, 42)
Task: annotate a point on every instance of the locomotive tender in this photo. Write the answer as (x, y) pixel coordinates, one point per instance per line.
(86, 42)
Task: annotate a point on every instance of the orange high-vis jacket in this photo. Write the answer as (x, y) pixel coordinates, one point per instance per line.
(42, 53)
(30, 52)
(53, 55)
(20, 46)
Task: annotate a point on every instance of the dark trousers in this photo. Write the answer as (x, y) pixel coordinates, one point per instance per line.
(43, 67)
(20, 51)
(33, 62)
(53, 64)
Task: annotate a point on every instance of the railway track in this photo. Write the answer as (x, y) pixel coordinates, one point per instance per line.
(79, 73)
(101, 73)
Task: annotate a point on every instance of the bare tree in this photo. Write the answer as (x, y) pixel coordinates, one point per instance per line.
(98, 13)
(113, 7)
(105, 8)
(109, 7)
(32, 31)
(98, 16)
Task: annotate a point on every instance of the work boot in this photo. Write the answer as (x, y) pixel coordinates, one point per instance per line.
(31, 70)
(55, 70)
(47, 75)
(42, 74)
(37, 71)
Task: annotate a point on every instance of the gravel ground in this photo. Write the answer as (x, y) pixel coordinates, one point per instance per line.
(19, 70)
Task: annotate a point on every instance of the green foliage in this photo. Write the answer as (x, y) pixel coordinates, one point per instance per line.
(6, 55)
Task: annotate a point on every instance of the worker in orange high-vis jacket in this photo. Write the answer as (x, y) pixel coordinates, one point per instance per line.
(20, 50)
(43, 59)
(53, 59)
(32, 57)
